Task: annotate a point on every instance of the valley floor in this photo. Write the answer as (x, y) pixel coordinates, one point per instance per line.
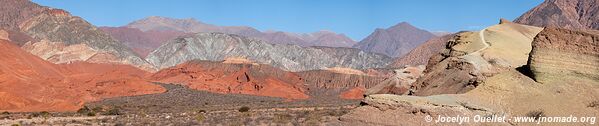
(183, 106)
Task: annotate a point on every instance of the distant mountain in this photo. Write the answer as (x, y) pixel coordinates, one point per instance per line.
(394, 41)
(142, 42)
(157, 23)
(57, 36)
(570, 14)
(441, 33)
(219, 46)
(421, 54)
(321, 38)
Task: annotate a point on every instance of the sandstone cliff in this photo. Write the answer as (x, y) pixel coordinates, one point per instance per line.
(558, 53)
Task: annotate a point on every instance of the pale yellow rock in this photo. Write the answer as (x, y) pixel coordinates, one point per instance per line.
(4, 35)
(57, 52)
(343, 70)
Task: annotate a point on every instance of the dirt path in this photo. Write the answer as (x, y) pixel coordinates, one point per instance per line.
(482, 38)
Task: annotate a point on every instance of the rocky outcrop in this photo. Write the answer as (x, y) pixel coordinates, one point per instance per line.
(386, 109)
(66, 38)
(564, 61)
(399, 83)
(421, 54)
(219, 46)
(30, 83)
(569, 14)
(327, 79)
(320, 38)
(395, 41)
(227, 78)
(471, 57)
(557, 53)
(141, 42)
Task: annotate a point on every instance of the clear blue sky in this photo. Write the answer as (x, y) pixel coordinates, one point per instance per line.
(354, 18)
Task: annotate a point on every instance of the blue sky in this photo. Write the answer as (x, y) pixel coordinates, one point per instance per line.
(354, 18)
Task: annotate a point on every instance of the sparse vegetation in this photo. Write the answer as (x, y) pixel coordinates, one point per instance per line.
(200, 117)
(5, 113)
(113, 111)
(202, 111)
(244, 109)
(282, 118)
(86, 111)
(594, 104)
(91, 114)
(537, 114)
(83, 110)
(98, 109)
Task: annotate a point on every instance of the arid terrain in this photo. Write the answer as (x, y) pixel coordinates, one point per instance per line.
(56, 68)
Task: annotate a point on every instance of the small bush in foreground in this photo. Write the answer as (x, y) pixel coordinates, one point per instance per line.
(537, 114)
(113, 111)
(594, 104)
(244, 109)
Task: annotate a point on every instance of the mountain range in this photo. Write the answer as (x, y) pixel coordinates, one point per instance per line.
(320, 38)
(220, 46)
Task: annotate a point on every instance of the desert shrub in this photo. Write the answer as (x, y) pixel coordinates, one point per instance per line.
(283, 118)
(35, 114)
(594, 104)
(98, 109)
(537, 114)
(5, 113)
(91, 114)
(84, 110)
(200, 117)
(15, 125)
(202, 111)
(45, 113)
(244, 109)
(113, 111)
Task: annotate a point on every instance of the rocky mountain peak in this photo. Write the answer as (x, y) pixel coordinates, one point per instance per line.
(570, 14)
(394, 41)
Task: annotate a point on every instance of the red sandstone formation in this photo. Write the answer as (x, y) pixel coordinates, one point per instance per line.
(31, 84)
(354, 93)
(252, 79)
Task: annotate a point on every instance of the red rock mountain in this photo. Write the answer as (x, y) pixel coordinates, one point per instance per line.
(321, 38)
(30, 83)
(142, 42)
(395, 41)
(59, 37)
(570, 14)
